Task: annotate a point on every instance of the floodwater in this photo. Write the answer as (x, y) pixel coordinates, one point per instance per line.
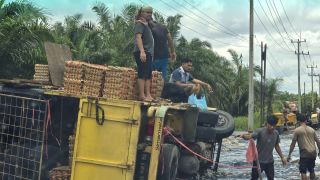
(234, 153)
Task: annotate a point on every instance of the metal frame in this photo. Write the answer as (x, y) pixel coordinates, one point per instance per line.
(22, 132)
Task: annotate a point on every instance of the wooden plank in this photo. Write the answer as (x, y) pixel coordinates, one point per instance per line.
(57, 54)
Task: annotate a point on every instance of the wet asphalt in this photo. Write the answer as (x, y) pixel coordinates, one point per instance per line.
(234, 153)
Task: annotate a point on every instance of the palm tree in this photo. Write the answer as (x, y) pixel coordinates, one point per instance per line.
(272, 88)
(23, 28)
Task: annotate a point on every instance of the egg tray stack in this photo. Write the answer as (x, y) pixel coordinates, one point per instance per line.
(131, 79)
(73, 77)
(135, 90)
(60, 173)
(71, 148)
(93, 80)
(119, 83)
(41, 73)
(82, 78)
(156, 84)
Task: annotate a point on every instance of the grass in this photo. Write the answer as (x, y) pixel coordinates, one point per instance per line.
(241, 123)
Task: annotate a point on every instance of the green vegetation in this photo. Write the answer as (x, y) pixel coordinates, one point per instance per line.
(24, 28)
(241, 122)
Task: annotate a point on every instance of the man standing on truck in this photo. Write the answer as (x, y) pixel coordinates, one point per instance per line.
(143, 52)
(162, 40)
(306, 138)
(267, 140)
(182, 84)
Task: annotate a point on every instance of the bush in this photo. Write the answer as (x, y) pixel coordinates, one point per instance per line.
(241, 123)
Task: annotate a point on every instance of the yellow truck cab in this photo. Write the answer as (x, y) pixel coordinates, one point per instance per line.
(314, 120)
(284, 121)
(125, 139)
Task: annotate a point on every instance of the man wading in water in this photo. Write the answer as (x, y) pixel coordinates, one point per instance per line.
(306, 138)
(267, 140)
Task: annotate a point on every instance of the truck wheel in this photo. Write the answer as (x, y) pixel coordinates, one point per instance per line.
(170, 155)
(225, 125)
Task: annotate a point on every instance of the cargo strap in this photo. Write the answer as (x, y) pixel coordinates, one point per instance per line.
(98, 107)
(167, 132)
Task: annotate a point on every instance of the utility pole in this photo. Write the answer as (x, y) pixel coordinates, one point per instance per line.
(299, 89)
(263, 81)
(319, 83)
(304, 96)
(312, 74)
(251, 95)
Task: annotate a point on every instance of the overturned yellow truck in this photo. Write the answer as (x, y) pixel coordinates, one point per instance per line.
(48, 134)
(87, 131)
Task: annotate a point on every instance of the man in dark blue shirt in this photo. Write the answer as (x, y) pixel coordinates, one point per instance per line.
(182, 84)
(162, 44)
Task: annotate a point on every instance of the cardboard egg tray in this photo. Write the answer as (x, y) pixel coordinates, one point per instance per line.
(84, 79)
(156, 84)
(60, 173)
(106, 81)
(119, 83)
(71, 148)
(41, 73)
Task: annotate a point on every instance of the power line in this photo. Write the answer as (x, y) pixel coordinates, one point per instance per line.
(214, 20)
(273, 39)
(283, 72)
(195, 20)
(195, 31)
(275, 9)
(209, 23)
(305, 63)
(274, 24)
(276, 62)
(288, 19)
(311, 61)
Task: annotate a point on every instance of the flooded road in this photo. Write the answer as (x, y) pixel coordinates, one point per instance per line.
(234, 153)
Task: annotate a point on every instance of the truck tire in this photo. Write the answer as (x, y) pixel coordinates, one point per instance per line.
(208, 119)
(225, 125)
(189, 165)
(206, 134)
(170, 154)
(189, 124)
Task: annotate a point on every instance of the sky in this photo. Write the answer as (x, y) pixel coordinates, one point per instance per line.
(225, 24)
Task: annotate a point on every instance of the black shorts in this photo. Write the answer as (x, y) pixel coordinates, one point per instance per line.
(144, 68)
(268, 168)
(175, 93)
(306, 164)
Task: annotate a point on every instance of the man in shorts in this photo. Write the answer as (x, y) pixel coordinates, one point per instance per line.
(306, 138)
(143, 52)
(267, 140)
